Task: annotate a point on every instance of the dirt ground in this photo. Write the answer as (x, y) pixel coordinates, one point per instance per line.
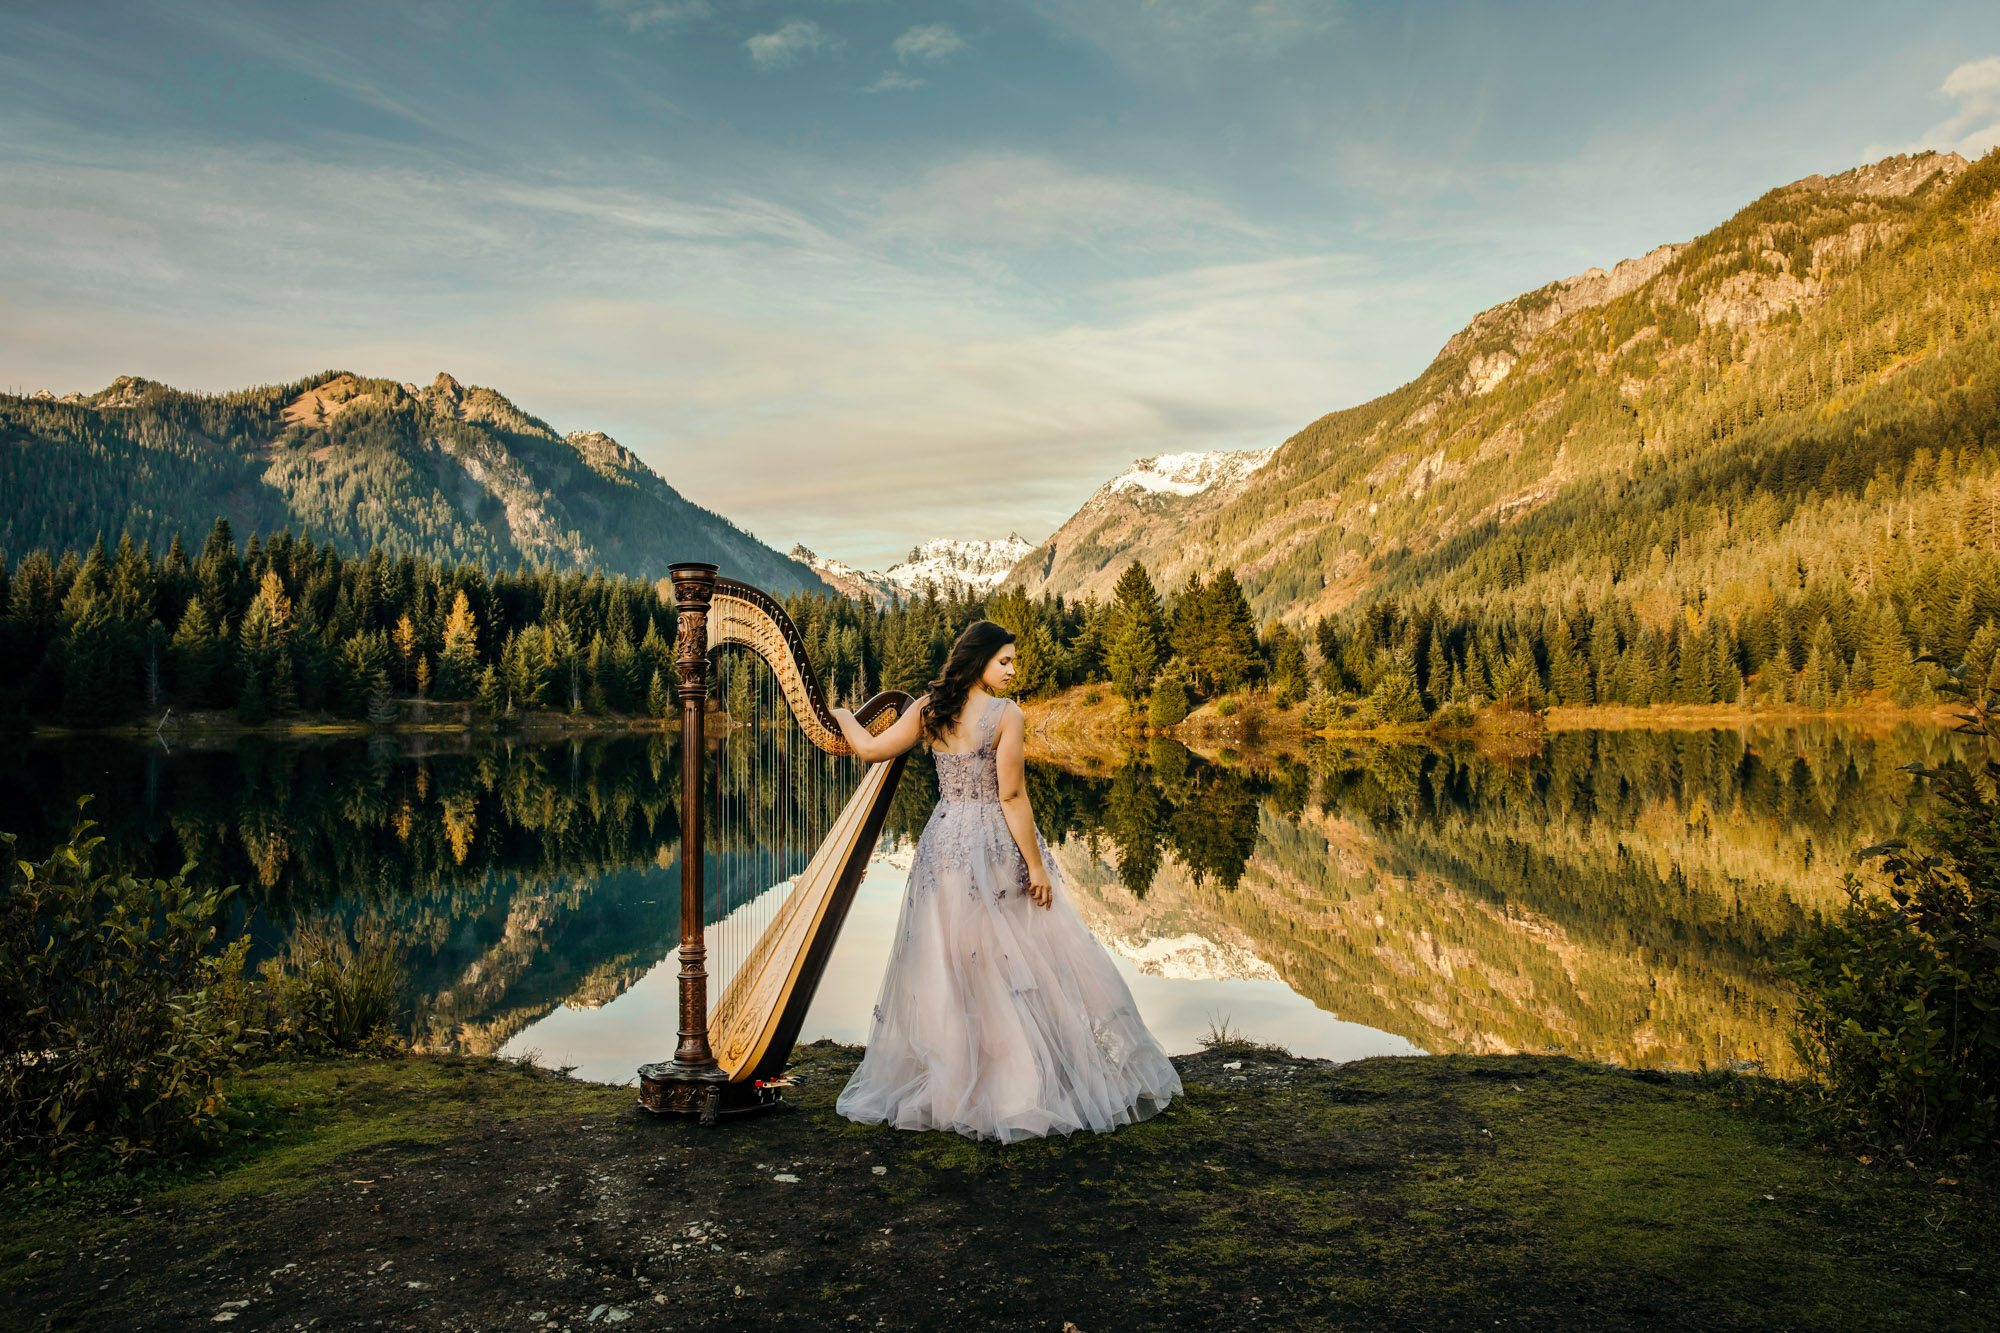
(1426, 1193)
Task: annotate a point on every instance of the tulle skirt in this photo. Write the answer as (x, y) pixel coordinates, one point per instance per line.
(997, 1018)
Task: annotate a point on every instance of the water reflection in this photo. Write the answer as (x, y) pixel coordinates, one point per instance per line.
(1618, 895)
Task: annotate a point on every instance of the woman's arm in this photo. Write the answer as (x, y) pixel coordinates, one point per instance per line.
(1014, 802)
(900, 736)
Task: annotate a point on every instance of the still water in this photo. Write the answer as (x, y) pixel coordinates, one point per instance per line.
(1619, 896)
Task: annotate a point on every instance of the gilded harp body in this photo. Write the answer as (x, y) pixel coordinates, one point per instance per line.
(727, 1053)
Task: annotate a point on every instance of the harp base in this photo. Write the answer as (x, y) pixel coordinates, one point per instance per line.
(667, 1089)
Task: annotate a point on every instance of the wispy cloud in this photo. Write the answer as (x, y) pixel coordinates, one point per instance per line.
(1974, 129)
(639, 15)
(793, 41)
(927, 41)
(894, 80)
(1019, 199)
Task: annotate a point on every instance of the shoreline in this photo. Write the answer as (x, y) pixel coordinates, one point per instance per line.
(1059, 724)
(1419, 1191)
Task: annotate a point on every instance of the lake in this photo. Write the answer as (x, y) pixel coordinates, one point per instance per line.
(1616, 895)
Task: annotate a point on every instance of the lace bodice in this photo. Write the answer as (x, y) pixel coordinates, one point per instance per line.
(975, 775)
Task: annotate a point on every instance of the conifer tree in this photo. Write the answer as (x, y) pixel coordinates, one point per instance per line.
(1569, 683)
(1395, 701)
(1168, 705)
(252, 709)
(489, 695)
(458, 663)
(1230, 630)
(1437, 677)
(1134, 659)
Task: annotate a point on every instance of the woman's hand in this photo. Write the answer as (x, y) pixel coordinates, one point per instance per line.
(1038, 888)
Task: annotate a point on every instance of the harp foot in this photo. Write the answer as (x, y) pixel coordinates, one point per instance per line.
(666, 1089)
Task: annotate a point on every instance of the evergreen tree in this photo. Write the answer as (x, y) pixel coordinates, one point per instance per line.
(1569, 683)
(1168, 706)
(489, 695)
(1437, 679)
(1138, 635)
(196, 650)
(252, 709)
(1230, 629)
(1396, 701)
(458, 663)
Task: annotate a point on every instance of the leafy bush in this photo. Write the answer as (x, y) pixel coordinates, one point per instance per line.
(1899, 998)
(1093, 695)
(1225, 707)
(113, 1029)
(1456, 715)
(1169, 704)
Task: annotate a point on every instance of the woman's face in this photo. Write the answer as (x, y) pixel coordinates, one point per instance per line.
(999, 672)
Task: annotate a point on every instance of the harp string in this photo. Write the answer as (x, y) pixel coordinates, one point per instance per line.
(773, 798)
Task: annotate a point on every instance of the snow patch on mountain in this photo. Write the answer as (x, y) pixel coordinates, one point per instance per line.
(844, 578)
(1195, 958)
(968, 568)
(1188, 474)
(974, 567)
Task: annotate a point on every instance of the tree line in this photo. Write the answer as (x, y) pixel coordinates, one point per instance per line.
(288, 626)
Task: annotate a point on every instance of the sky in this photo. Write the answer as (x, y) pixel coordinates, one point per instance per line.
(862, 273)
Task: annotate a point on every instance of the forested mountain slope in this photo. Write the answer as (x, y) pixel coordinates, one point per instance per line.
(446, 472)
(1801, 404)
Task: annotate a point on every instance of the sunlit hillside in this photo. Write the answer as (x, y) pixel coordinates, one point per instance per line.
(1806, 396)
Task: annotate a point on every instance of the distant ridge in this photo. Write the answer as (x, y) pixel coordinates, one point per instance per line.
(451, 471)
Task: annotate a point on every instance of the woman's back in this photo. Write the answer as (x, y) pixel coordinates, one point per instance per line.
(974, 774)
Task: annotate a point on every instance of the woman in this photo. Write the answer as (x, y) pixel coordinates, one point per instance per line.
(1001, 1016)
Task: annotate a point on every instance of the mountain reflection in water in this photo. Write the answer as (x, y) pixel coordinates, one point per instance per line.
(1616, 895)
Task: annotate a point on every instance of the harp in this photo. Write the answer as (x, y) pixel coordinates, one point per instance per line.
(779, 904)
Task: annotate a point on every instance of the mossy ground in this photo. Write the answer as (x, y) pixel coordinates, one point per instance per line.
(1442, 1192)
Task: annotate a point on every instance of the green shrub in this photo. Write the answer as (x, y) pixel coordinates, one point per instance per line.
(1093, 695)
(113, 1028)
(1288, 690)
(1225, 707)
(1169, 704)
(1899, 997)
(337, 994)
(1456, 715)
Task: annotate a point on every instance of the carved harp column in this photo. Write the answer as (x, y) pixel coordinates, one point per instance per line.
(725, 1059)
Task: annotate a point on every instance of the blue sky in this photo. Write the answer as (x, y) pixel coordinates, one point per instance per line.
(863, 273)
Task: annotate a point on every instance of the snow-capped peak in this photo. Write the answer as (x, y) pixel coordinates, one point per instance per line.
(1189, 474)
(965, 567)
(974, 566)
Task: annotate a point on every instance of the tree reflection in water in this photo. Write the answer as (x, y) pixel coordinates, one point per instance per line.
(1620, 895)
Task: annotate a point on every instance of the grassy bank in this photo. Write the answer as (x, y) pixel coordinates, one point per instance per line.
(1443, 1192)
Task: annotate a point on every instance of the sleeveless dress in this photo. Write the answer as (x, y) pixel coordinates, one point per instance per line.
(997, 1018)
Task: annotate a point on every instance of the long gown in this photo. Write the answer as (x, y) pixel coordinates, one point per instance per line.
(998, 1018)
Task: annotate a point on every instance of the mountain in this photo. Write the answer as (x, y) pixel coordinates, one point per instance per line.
(845, 579)
(1138, 513)
(968, 568)
(449, 471)
(1805, 398)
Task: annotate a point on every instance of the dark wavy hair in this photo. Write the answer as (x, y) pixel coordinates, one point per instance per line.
(963, 666)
